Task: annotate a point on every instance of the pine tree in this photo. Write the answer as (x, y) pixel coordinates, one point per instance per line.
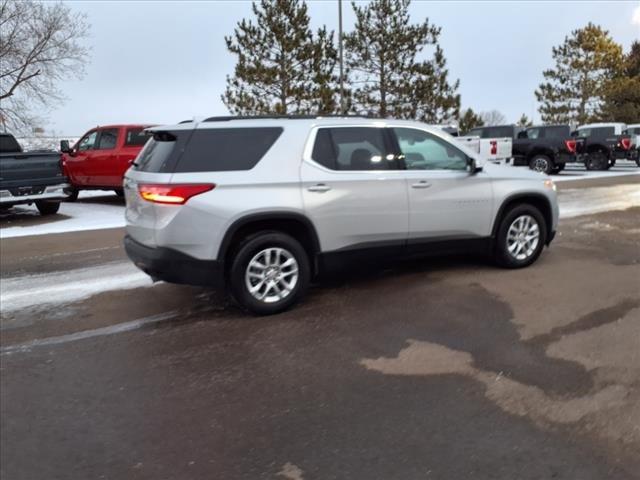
(387, 76)
(282, 67)
(524, 121)
(468, 120)
(622, 93)
(574, 88)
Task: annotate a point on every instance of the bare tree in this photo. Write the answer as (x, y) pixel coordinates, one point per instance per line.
(39, 45)
(493, 117)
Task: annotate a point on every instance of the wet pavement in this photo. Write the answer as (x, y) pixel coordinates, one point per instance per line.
(445, 369)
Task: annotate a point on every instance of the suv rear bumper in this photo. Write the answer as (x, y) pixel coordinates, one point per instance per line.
(172, 266)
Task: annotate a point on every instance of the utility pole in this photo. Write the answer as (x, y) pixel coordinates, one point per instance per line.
(342, 105)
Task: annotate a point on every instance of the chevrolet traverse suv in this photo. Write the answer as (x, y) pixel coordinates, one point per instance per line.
(264, 205)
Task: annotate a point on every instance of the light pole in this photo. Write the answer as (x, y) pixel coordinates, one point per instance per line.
(342, 106)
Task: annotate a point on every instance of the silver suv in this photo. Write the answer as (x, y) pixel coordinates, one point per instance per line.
(264, 205)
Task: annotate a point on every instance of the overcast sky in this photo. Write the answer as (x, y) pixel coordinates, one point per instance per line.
(162, 62)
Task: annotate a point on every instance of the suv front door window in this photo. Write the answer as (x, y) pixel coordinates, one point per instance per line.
(445, 199)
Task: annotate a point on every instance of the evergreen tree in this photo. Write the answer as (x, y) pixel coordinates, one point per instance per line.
(468, 120)
(387, 75)
(574, 88)
(282, 67)
(622, 93)
(524, 121)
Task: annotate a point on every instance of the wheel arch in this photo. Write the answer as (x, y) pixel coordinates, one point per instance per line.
(537, 200)
(297, 225)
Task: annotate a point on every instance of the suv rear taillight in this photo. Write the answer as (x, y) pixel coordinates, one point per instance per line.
(571, 145)
(172, 194)
(625, 143)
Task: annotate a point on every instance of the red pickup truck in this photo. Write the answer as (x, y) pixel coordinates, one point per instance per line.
(100, 158)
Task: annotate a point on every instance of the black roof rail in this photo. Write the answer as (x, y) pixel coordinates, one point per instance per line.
(280, 117)
(185, 121)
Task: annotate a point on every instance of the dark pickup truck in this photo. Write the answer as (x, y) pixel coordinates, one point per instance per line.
(544, 148)
(599, 145)
(30, 177)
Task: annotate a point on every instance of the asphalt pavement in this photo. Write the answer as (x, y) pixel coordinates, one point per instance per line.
(443, 368)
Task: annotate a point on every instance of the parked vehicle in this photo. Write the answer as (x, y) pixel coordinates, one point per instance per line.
(599, 145)
(494, 143)
(634, 132)
(30, 177)
(264, 205)
(99, 159)
(545, 148)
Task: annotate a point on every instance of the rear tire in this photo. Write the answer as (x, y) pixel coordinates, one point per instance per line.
(269, 273)
(521, 236)
(72, 193)
(47, 208)
(542, 164)
(597, 161)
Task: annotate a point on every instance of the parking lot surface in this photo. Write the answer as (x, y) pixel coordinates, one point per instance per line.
(440, 368)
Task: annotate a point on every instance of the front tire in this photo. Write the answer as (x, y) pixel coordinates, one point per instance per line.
(72, 194)
(269, 273)
(542, 164)
(47, 208)
(521, 237)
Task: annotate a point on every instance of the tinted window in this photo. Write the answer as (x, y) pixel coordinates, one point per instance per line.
(423, 151)
(161, 151)
(556, 132)
(108, 139)
(8, 144)
(475, 132)
(597, 131)
(88, 141)
(497, 132)
(226, 149)
(533, 133)
(352, 148)
(136, 137)
(633, 131)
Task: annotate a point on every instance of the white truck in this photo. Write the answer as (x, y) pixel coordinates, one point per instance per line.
(492, 145)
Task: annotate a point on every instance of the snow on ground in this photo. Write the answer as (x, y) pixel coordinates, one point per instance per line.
(578, 172)
(584, 201)
(30, 291)
(94, 210)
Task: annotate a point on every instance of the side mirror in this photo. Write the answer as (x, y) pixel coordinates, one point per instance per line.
(64, 146)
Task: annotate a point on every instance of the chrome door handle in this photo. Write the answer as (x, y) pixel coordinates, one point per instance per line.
(320, 187)
(421, 184)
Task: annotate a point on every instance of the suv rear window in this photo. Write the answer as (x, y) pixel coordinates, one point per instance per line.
(206, 150)
(226, 149)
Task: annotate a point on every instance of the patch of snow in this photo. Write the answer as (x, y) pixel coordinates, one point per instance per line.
(585, 201)
(45, 290)
(578, 172)
(88, 213)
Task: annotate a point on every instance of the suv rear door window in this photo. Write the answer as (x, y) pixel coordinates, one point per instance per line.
(352, 148)
(226, 149)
